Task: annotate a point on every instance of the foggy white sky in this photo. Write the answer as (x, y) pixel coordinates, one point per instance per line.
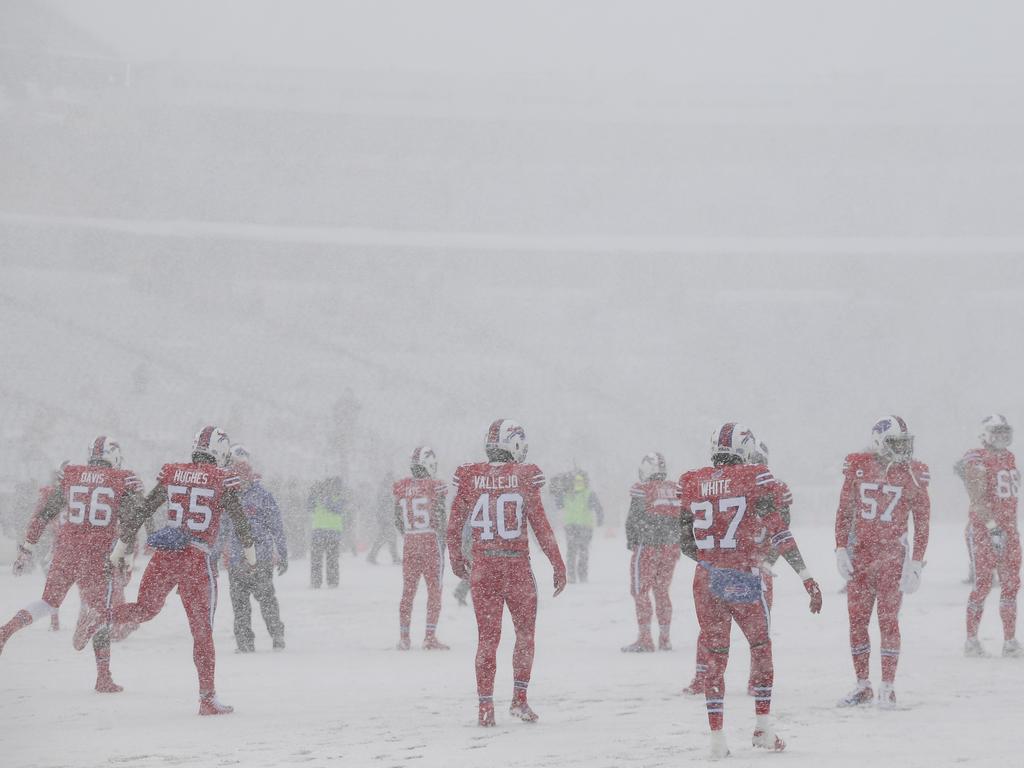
(787, 38)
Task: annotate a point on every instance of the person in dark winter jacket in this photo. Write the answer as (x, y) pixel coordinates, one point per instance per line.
(257, 581)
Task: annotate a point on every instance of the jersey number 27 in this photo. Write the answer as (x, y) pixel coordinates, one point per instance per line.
(706, 509)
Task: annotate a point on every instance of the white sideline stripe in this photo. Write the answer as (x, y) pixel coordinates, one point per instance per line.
(474, 241)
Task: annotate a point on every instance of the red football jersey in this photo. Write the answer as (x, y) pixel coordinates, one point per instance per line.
(495, 504)
(419, 499)
(877, 501)
(660, 497)
(728, 529)
(997, 472)
(195, 497)
(93, 496)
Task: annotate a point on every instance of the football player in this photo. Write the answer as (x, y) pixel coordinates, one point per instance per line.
(883, 489)
(97, 496)
(728, 510)
(993, 482)
(770, 555)
(497, 502)
(197, 493)
(652, 535)
(420, 516)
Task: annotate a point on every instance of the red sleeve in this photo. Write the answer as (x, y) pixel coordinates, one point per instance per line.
(40, 520)
(542, 529)
(846, 510)
(456, 523)
(922, 512)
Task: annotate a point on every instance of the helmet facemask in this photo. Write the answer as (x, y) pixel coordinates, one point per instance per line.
(999, 437)
(898, 447)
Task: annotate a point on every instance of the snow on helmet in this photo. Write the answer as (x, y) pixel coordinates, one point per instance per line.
(892, 439)
(650, 465)
(105, 449)
(760, 453)
(507, 435)
(425, 460)
(213, 442)
(240, 455)
(733, 439)
(996, 432)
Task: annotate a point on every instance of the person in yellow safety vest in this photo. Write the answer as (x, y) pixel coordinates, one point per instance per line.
(326, 505)
(581, 510)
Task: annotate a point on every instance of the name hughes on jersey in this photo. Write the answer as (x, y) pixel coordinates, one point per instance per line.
(191, 477)
(495, 483)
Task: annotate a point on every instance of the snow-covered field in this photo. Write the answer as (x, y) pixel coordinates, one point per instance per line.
(340, 694)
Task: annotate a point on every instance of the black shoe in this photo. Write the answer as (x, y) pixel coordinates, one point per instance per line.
(278, 643)
(246, 648)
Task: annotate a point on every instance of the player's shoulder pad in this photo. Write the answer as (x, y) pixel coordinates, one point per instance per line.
(637, 491)
(532, 475)
(398, 487)
(131, 480)
(921, 472)
(854, 463)
(762, 475)
(229, 478)
(460, 472)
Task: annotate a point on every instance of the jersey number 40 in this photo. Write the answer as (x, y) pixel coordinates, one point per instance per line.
(505, 505)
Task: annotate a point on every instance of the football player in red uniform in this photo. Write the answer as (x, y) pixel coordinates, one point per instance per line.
(883, 489)
(196, 493)
(728, 509)
(96, 495)
(770, 556)
(420, 516)
(992, 480)
(496, 503)
(652, 534)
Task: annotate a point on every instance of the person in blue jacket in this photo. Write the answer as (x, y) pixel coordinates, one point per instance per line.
(271, 546)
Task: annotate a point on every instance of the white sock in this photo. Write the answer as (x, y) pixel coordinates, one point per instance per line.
(764, 723)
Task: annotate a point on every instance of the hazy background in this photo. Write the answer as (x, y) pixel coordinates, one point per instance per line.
(339, 229)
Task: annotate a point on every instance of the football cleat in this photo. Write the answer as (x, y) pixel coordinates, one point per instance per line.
(973, 649)
(522, 710)
(404, 644)
(208, 705)
(433, 644)
(719, 749)
(858, 697)
(486, 717)
(696, 687)
(886, 696)
(278, 643)
(1012, 649)
(664, 644)
(643, 645)
(767, 739)
(106, 684)
(90, 621)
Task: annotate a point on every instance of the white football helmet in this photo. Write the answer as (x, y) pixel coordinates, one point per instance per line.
(996, 432)
(892, 439)
(507, 435)
(733, 439)
(213, 442)
(240, 455)
(424, 459)
(650, 465)
(760, 454)
(105, 449)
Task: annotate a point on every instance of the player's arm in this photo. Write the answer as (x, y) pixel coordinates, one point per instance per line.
(636, 511)
(397, 517)
(134, 514)
(687, 544)
(546, 539)
(782, 541)
(976, 483)
(441, 511)
(47, 508)
(233, 508)
(454, 537)
(596, 508)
